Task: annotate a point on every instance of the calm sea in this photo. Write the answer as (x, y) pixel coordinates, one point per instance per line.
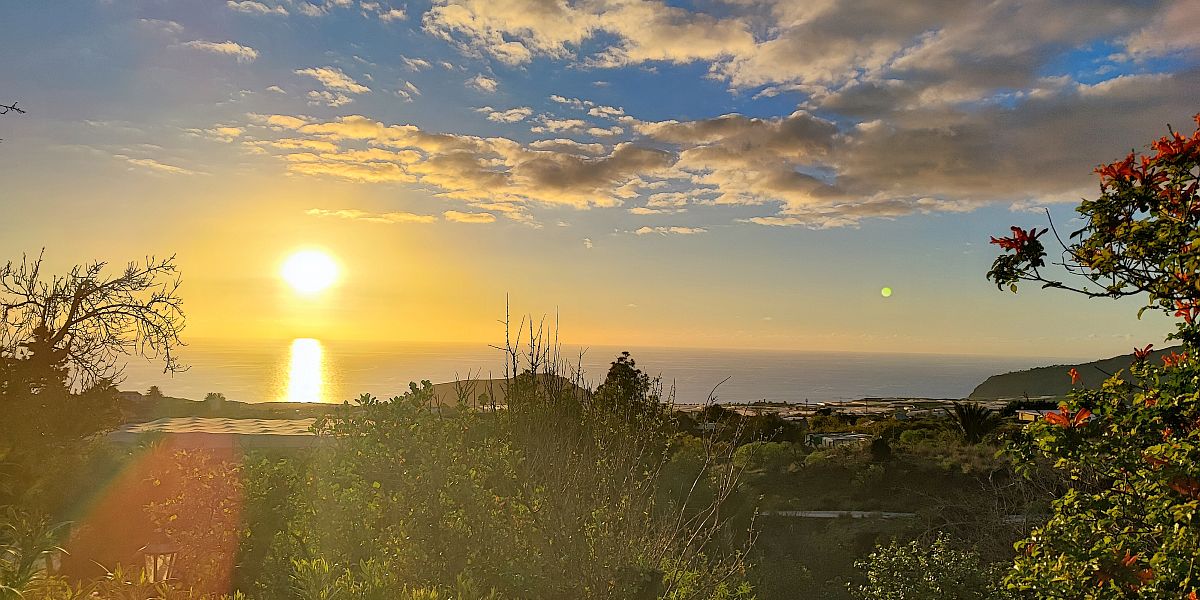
(308, 370)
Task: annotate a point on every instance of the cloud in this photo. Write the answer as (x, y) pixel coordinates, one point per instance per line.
(322, 97)
(501, 172)
(566, 146)
(465, 217)
(670, 230)
(605, 131)
(276, 89)
(392, 14)
(220, 133)
(311, 10)
(164, 26)
(334, 79)
(415, 64)
(238, 51)
(407, 91)
(258, 8)
(958, 49)
(800, 169)
(551, 124)
(155, 166)
(587, 243)
(371, 217)
(482, 83)
(515, 31)
(1175, 29)
(511, 115)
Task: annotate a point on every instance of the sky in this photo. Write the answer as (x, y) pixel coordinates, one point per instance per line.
(720, 173)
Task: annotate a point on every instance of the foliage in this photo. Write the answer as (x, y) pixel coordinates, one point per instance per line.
(567, 494)
(1129, 524)
(60, 338)
(974, 420)
(768, 456)
(1139, 237)
(199, 510)
(26, 543)
(938, 571)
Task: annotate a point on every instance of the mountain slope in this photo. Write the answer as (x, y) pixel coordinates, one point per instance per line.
(1053, 380)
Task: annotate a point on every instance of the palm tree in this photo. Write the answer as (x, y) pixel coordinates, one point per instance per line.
(974, 420)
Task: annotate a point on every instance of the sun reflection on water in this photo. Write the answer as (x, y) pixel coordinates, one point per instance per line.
(305, 371)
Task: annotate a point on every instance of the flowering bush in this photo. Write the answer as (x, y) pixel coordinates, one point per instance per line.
(1129, 524)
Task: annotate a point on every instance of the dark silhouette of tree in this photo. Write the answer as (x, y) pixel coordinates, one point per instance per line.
(91, 317)
(974, 421)
(10, 108)
(60, 338)
(154, 393)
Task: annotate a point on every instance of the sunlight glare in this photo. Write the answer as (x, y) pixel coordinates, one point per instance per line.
(309, 271)
(305, 371)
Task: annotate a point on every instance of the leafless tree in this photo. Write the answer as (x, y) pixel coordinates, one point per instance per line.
(92, 316)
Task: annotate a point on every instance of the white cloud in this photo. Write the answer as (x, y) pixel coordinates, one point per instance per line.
(253, 7)
(326, 98)
(551, 124)
(670, 230)
(334, 79)
(239, 52)
(311, 10)
(392, 14)
(415, 64)
(164, 26)
(587, 243)
(486, 84)
(511, 115)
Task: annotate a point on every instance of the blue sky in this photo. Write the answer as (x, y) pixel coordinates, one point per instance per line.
(721, 173)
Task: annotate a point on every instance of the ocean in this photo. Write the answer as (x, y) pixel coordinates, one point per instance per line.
(309, 370)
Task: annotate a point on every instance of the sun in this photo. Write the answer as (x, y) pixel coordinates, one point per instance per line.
(310, 271)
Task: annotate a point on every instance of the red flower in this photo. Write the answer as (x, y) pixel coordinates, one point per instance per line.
(1188, 310)
(1174, 360)
(1064, 418)
(1019, 239)
(1141, 354)
(1074, 376)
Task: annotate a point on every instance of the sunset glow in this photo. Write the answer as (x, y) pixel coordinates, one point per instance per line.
(310, 271)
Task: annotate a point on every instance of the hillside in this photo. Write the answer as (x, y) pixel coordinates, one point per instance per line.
(1053, 380)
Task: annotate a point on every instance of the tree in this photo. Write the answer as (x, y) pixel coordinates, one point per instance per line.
(60, 339)
(974, 420)
(91, 317)
(1141, 236)
(10, 109)
(938, 571)
(1129, 524)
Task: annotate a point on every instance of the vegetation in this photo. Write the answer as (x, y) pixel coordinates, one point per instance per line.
(934, 571)
(974, 421)
(1127, 526)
